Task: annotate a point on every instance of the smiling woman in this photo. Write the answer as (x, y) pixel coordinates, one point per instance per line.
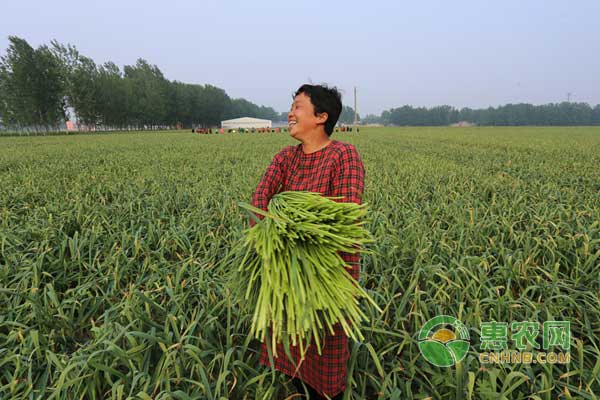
(302, 118)
(332, 168)
(314, 108)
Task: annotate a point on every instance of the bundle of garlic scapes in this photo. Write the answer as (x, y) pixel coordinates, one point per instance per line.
(299, 283)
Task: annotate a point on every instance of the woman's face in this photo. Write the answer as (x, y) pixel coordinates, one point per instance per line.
(302, 120)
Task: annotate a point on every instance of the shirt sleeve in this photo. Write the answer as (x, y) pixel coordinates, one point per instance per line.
(270, 184)
(349, 179)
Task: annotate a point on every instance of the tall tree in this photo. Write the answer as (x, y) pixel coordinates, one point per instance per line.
(80, 75)
(148, 93)
(113, 97)
(213, 104)
(32, 85)
(5, 116)
(595, 120)
(17, 69)
(49, 88)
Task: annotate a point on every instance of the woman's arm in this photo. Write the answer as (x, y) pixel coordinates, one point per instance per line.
(269, 184)
(349, 182)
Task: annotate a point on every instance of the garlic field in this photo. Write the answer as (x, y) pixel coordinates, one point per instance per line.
(116, 250)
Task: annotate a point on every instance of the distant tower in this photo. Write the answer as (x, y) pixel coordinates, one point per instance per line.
(568, 97)
(355, 112)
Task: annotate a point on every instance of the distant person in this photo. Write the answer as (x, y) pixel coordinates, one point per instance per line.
(332, 168)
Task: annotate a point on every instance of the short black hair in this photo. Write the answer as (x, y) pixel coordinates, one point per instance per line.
(324, 99)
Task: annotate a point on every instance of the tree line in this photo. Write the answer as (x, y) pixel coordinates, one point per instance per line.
(41, 88)
(565, 113)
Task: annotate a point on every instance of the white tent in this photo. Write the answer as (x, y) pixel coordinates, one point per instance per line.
(246, 123)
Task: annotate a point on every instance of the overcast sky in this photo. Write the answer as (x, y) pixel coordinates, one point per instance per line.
(461, 53)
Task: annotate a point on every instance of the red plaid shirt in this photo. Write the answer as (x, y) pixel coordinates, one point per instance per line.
(335, 170)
